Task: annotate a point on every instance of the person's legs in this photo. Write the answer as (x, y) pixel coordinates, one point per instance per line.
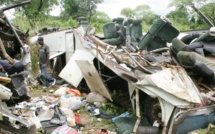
(44, 81)
(44, 73)
(49, 78)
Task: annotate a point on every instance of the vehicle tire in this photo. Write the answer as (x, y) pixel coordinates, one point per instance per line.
(152, 110)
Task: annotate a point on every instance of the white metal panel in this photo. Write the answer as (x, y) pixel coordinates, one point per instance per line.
(173, 85)
(55, 55)
(80, 41)
(69, 42)
(71, 72)
(92, 78)
(56, 41)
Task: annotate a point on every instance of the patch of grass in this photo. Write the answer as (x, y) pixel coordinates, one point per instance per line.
(209, 130)
(34, 60)
(39, 91)
(94, 124)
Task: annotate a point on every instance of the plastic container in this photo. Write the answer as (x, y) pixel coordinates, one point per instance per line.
(126, 114)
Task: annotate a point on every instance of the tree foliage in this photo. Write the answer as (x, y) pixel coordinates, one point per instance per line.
(35, 11)
(207, 7)
(183, 17)
(145, 13)
(76, 8)
(142, 11)
(179, 15)
(127, 12)
(98, 19)
(209, 11)
(178, 3)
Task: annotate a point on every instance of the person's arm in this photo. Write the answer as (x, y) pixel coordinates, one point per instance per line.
(47, 57)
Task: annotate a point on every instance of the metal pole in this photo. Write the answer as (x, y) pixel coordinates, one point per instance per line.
(14, 31)
(202, 15)
(144, 69)
(137, 97)
(14, 5)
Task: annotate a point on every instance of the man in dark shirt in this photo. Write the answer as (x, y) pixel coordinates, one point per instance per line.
(44, 62)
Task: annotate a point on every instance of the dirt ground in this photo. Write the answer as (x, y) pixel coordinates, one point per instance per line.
(92, 125)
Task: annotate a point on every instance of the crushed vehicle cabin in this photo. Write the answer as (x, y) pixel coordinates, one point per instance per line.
(171, 96)
(12, 87)
(171, 78)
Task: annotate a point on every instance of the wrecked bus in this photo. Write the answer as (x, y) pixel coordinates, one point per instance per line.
(170, 92)
(172, 97)
(12, 87)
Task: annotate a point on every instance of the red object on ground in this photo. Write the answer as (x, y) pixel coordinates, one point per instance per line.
(74, 92)
(77, 118)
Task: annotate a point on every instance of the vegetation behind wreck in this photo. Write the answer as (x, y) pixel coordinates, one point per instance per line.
(36, 15)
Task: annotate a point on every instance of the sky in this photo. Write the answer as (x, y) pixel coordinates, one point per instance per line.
(113, 7)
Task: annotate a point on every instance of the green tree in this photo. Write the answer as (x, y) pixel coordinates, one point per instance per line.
(180, 18)
(179, 15)
(209, 11)
(144, 12)
(98, 19)
(128, 12)
(178, 3)
(76, 8)
(206, 6)
(37, 10)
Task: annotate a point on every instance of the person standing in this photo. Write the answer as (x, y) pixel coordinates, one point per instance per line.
(26, 60)
(44, 62)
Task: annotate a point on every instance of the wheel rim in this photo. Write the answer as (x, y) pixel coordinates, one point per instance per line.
(157, 113)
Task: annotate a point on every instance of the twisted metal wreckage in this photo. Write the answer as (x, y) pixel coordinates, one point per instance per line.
(152, 63)
(173, 78)
(185, 103)
(12, 87)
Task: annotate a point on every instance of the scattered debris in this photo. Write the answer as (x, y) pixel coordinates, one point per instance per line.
(64, 130)
(168, 73)
(95, 97)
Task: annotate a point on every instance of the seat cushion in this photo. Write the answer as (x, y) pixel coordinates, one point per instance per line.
(156, 43)
(178, 45)
(136, 30)
(165, 30)
(110, 30)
